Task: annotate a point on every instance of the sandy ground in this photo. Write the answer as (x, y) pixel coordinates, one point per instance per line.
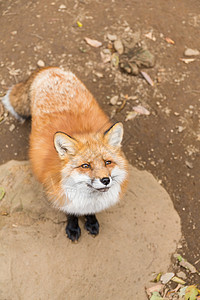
(136, 240)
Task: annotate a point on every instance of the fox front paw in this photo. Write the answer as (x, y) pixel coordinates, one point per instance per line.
(73, 230)
(92, 224)
(73, 233)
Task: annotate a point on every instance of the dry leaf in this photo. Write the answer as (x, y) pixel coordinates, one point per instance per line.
(150, 36)
(93, 43)
(189, 164)
(141, 110)
(157, 278)
(178, 280)
(122, 106)
(156, 288)
(187, 60)
(2, 193)
(79, 24)
(147, 78)
(115, 60)
(131, 115)
(188, 266)
(14, 72)
(169, 41)
(185, 264)
(105, 57)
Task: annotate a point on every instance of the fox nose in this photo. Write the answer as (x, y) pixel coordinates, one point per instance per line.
(105, 180)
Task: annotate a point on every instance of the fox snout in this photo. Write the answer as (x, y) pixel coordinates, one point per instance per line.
(105, 180)
(102, 183)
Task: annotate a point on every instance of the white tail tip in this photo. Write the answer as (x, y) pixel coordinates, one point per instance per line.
(6, 102)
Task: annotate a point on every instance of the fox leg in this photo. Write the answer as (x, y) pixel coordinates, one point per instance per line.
(92, 224)
(73, 230)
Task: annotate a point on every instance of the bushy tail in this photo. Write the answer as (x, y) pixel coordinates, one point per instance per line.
(17, 100)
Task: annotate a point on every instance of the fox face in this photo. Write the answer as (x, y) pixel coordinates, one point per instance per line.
(93, 171)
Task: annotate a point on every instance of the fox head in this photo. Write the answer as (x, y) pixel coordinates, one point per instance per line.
(94, 168)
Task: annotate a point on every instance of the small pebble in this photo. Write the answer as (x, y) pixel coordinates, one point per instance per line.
(119, 46)
(127, 29)
(181, 275)
(40, 63)
(180, 129)
(189, 164)
(114, 99)
(176, 114)
(12, 127)
(111, 37)
(106, 51)
(62, 6)
(98, 74)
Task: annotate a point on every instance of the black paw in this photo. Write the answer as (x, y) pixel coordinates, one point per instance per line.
(73, 233)
(92, 224)
(73, 230)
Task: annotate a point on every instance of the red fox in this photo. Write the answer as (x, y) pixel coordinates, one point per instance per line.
(75, 151)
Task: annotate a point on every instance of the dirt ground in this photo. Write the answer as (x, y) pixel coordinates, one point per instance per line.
(166, 142)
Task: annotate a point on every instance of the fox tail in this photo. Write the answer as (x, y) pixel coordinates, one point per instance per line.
(18, 100)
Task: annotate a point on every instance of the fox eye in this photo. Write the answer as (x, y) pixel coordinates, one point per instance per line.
(85, 166)
(108, 162)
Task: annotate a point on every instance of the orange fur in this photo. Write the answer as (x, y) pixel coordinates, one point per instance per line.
(59, 102)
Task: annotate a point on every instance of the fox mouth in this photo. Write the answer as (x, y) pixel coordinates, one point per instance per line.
(104, 189)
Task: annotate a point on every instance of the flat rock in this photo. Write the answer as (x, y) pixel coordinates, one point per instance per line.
(137, 237)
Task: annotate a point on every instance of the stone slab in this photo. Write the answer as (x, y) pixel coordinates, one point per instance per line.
(137, 238)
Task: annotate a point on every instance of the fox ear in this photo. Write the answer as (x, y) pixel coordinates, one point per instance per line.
(114, 135)
(64, 144)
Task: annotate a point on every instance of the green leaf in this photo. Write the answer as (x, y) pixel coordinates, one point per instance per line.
(191, 292)
(179, 257)
(156, 296)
